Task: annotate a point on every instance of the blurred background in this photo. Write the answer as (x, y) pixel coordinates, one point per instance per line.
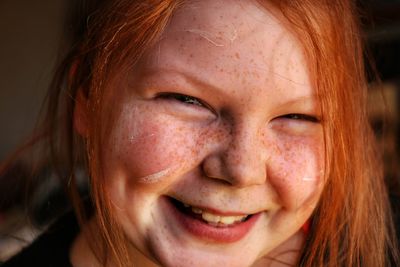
(31, 33)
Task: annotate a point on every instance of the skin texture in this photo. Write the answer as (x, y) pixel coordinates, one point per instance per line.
(234, 147)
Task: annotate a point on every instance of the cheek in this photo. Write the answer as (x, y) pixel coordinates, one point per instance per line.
(147, 147)
(295, 169)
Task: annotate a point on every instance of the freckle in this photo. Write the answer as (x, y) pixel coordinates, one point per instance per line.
(191, 55)
(237, 55)
(221, 70)
(221, 17)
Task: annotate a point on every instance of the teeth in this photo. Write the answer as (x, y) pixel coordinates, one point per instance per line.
(216, 219)
(232, 219)
(210, 217)
(228, 219)
(197, 210)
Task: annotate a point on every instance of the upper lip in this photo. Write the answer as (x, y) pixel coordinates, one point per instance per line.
(214, 210)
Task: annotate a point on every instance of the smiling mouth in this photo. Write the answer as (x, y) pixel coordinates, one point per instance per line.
(209, 217)
(208, 224)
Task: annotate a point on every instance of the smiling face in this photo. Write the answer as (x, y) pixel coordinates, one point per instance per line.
(214, 156)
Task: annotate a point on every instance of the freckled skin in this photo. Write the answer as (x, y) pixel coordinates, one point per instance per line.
(237, 153)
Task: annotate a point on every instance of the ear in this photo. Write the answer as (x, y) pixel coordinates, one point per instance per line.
(81, 122)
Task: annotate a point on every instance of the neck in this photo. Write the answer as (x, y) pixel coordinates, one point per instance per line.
(286, 254)
(82, 255)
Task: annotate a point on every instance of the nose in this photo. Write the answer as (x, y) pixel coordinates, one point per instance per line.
(241, 161)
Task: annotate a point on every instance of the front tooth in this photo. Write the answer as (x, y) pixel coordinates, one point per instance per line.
(232, 219)
(197, 210)
(228, 219)
(210, 217)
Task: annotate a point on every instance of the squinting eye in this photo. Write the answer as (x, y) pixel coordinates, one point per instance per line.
(303, 117)
(182, 98)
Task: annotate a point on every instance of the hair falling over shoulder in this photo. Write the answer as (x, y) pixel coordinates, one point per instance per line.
(352, 224)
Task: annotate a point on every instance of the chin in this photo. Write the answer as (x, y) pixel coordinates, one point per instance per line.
(192, 258)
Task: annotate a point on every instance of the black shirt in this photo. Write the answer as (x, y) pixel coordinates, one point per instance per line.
(51, 249)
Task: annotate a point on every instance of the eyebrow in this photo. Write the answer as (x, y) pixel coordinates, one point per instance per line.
(199, 82)
(304, 103)
(187, 77)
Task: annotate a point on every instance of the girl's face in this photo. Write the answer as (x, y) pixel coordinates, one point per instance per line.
(214, 156)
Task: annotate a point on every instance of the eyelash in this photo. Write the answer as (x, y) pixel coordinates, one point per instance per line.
(188, 100)
(303, 117)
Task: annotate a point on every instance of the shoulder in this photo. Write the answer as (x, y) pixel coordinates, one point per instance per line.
(51, 248)
(395, 205)
(395, 201)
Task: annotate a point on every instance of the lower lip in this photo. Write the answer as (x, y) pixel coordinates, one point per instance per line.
(211, 233)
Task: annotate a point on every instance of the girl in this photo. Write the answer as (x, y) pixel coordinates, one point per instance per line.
(218, 133)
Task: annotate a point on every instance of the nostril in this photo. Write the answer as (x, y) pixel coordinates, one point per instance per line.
(240, 162)
(212, 167)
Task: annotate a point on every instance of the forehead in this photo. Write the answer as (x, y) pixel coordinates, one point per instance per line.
(232, 38)
(224, 18)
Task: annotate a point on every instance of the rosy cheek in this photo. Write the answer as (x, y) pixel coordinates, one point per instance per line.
(295, 170)
(148, 147)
